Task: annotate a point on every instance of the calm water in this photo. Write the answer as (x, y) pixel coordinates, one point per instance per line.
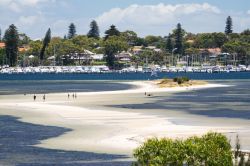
(17, 138)
(124, 76)
(8, 87)
(228, 102)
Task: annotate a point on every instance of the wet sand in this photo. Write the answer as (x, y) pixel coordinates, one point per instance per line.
(99, 125)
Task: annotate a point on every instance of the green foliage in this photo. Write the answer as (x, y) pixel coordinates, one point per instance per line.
(178, 33)
(94, 30)
(112, 46)
(229, 25)
(111, 32)
(2, 56)
(11, 39)
(46, 42)
(181, 80)
(72, 31)
(23, 39)
(210, 149)
(210, 40)
(169, 44)
(130, 37)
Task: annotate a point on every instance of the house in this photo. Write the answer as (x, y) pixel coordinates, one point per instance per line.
(2, 45)
(137, 50)
(24, 48)
(124, 56)
(97, 57)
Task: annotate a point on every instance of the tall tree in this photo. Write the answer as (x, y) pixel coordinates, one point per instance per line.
(111, 32)
(229, 26)
(169, 44)
(46, 42)
(179, 39)
(72, 31)
(11, 44)
(112, 46)
(94, 30)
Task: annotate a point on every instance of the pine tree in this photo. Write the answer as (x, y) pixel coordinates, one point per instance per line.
(111, 32)
(72, 31)
(94, 30)
(11, 44)
(229, 25)
(169, 44)
(46, 42)
(179, 39)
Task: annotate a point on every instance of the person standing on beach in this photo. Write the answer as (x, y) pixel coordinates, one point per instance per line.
(75, 95)
(34, 97)
(68, 95)
(43, 97)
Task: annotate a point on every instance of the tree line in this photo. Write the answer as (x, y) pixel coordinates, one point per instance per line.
(178, 42)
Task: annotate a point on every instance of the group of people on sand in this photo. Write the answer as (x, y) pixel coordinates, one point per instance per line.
(74, 96)
(34, 97)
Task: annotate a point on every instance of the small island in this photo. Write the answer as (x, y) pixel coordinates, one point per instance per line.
(179, 82)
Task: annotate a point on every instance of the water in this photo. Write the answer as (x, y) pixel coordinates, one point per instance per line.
(124, 76)
(8, 87)
(17, 138)
(226, 102)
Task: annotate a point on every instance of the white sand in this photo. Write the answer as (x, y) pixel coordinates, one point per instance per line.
(105, 131)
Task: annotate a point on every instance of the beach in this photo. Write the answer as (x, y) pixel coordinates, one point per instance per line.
(116, 122)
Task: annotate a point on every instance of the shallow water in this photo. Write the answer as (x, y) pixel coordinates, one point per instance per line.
(17, 138)
(9, 87)
(229, 102)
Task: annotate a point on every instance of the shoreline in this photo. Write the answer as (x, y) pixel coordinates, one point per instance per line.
(112, 131)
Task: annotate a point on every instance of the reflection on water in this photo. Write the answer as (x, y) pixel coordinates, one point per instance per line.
(17, 138)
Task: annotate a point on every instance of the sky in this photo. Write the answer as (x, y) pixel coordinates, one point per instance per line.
(145, 17)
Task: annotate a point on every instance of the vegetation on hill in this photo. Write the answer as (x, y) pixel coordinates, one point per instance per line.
(153, 49)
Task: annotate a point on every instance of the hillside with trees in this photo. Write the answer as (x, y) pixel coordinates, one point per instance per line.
(176, 47)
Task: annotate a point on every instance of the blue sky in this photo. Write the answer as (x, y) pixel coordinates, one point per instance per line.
(146, 17)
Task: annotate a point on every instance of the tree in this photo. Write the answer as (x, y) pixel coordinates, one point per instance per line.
(46, 42)
(178, 33)
(94, 30)
(35, 48)
(111, 32)
(11, 44)
(229, 26)
(2, 56)
(130, 37)
(169, 44)
(72, 31)
(210, 149)
(112, 46)
(23, 39)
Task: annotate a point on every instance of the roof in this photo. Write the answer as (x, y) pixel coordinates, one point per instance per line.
(215, 51)
(2, 45)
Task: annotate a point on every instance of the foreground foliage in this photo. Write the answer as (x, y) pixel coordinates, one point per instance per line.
(211, 149)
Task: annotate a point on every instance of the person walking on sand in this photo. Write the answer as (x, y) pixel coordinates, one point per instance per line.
(75, 95)
(34, 97)
(43, 97)
(68, 95)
